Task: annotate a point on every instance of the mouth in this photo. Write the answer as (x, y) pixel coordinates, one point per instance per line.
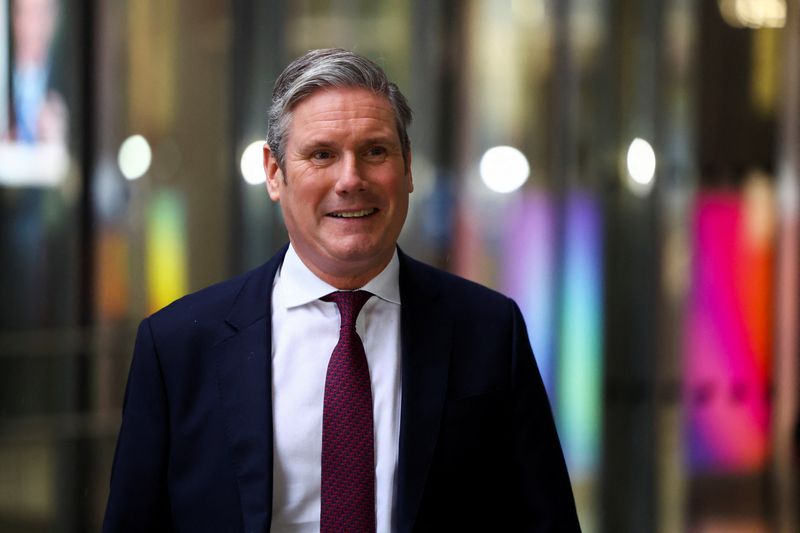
(361, 213)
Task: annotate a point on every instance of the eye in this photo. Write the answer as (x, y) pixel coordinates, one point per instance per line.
(321, 155)
(376, 152)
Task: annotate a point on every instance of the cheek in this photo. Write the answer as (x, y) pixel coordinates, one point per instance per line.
(311, 186)
(306, 202)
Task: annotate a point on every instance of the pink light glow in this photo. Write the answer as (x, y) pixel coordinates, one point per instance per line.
(728, 337)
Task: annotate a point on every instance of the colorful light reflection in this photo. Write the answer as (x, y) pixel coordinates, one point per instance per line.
(728, 337)
(528, 277)
(581, 334)
(558, 285)
(166, 250)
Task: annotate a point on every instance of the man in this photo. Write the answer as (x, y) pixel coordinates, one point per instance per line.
(254, 405)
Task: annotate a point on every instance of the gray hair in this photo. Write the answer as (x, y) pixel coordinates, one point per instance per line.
(330, 67)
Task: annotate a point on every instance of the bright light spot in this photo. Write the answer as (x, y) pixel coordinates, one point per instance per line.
(134, 157)
(641, 166)
(754, 13)
(504, 169)
(252, 163)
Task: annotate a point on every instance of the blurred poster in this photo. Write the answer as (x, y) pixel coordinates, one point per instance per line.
(34, 120)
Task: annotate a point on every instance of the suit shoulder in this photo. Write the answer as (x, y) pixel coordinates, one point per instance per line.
(210, 298)
(210, 304)
(460, 290)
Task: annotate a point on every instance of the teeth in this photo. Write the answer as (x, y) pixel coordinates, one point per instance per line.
(354, 214)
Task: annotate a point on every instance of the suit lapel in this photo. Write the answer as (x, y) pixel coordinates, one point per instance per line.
(244, 371)
(426, 343)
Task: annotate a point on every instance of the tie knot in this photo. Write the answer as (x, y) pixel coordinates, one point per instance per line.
(349, 303)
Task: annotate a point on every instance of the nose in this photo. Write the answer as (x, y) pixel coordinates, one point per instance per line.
(349, 179)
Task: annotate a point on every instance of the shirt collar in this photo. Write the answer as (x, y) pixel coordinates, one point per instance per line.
(301, 286)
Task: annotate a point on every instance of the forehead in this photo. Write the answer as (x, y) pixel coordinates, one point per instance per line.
(338, 109)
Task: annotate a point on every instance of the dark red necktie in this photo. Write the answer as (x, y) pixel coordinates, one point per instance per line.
(348, 449)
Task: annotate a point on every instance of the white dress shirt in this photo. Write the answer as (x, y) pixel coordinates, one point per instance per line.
(304, 332)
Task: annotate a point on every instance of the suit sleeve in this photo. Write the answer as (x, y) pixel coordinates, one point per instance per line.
(548, 503)
(138, 498)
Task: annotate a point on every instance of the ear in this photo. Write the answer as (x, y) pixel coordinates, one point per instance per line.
(274, 174)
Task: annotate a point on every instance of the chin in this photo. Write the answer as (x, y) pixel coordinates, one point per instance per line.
(359, 253)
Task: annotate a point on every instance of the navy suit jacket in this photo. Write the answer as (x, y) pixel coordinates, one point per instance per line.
(478, 448)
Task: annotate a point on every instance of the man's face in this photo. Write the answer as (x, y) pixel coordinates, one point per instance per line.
(344, 194)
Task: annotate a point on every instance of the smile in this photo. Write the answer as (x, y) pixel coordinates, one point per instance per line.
(354, 214)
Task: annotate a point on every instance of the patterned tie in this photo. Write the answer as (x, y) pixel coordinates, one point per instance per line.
(348, 451)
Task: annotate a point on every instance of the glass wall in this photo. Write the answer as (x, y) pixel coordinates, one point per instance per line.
(626, 170)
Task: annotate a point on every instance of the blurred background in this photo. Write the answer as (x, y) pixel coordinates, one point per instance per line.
(627, 170)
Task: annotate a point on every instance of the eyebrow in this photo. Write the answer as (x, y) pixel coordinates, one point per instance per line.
(323, 142)
(381, 139)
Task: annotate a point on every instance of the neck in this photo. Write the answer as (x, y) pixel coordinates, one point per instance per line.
(348, 279)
